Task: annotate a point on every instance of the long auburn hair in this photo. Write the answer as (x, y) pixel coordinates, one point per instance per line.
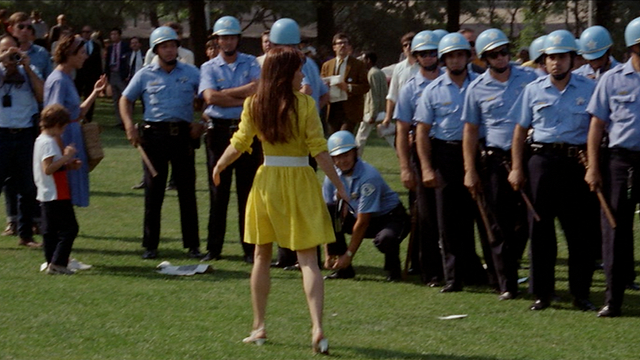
(274, 102)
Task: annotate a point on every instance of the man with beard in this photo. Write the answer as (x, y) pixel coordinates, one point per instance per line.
(424, 47)
(167, 89)
(227, 80)
(487, 103)
(555, 107)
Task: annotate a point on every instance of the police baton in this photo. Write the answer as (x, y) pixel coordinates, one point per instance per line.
(146, 161)
(603, 202)
(485, 218)
(536, 217)
(414, 221)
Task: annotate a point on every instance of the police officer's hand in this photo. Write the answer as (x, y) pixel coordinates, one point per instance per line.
(133, 136)
(196, 129)
(342, 262)
(593, 179)
(329, 261)
(408, 179)
(472, 182)
(516, 179)
(429, 178)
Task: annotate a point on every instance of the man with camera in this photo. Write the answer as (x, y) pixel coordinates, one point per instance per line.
(20, 89)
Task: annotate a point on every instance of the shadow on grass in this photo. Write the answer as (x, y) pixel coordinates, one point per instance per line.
(128, 193)
(127, 239)
(394, 354)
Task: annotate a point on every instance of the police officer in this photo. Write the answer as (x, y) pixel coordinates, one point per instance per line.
(555, 107)
(424, 47)
(286, 32)
(375, 211)
(21, 90)
(439, 110)
(595, 45)
(167, 90)
(487, 103)
(535, 52)
(226, 81)
(615, 105)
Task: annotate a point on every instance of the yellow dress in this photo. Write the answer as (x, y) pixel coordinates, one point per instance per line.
(285, 204)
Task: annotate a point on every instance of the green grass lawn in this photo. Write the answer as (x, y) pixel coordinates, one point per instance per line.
(123, 309)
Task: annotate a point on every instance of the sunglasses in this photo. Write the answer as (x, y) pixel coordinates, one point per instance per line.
(494, 54)
(341, 43)
(426, 53)
(22, 26)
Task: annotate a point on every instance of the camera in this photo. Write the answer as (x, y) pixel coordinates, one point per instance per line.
(15, 57)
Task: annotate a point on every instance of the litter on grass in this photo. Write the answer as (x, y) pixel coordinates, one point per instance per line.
(166, 268)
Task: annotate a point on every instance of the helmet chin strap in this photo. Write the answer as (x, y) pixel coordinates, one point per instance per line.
(499, 70)
(561, 77)
(458, 72)
(431, 67)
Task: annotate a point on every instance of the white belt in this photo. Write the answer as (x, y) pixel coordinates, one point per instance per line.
(293, 161)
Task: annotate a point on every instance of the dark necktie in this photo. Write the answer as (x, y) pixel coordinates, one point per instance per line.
(132, 70)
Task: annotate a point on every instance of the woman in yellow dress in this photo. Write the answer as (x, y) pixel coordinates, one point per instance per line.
(285, 203)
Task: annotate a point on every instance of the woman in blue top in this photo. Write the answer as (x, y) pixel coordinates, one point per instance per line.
(59, 88)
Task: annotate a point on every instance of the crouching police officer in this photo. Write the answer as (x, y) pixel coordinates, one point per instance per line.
(375, 211)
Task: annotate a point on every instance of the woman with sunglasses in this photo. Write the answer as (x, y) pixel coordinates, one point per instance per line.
(285, 190)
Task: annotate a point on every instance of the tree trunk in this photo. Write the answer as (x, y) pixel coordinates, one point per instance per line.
(453, 15)
(603, 13)
(326, 25)
(197, 38)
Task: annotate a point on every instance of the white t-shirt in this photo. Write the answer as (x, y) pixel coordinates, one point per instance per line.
(50, 187)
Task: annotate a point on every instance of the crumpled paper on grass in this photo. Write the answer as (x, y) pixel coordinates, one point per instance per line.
(166, 268)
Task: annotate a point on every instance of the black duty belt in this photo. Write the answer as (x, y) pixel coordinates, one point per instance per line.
(225, 122)
(557, 149)
(173, 128)
(447, 142)
(4, 130)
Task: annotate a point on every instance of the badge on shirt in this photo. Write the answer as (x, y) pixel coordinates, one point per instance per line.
(580, 101)
(367, 189)
(184, 79)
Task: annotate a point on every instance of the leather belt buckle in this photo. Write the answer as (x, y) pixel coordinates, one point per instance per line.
(572, 151)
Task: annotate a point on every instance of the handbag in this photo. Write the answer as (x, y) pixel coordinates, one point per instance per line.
(92, 144)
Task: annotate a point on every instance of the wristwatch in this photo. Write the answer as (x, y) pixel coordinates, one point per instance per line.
(349, 253)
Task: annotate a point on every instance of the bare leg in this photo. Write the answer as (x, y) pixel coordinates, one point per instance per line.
(313, 288)
(260, 285)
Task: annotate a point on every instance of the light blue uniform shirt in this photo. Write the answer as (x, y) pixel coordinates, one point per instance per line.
(440, 106)
(408, 97)
(313, 79)
(41, 59)
(218, 75)
(616, 101)
(59, 88)
(23, 102)
(488, 101)
(369, 193)
(556, 117)
(166, 96)
(587, 71)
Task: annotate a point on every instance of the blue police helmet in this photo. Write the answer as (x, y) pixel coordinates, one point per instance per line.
(162, 34)
(340, 142)
(425, 40)
(560, 42)
(285, 32)
(490, 39)
(440, 32)
(632, 32)
(227, 25)
(536, 48)
(452, 42)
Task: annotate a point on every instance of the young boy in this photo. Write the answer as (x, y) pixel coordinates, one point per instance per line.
(50, 162)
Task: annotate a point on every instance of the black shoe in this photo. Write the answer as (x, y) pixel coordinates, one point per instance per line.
(11, 229)
(633, 286)
(414, 271)
(194, 253)
(540, 304)
(433, 283)
(347, 273)
(394, 276)
(584, 304)
(451, 288)
(150, 254)
(138, 186)
(608, 311)
(507, 295)
(210, 256)
(171, 187)
(277, 264)
(294, 267)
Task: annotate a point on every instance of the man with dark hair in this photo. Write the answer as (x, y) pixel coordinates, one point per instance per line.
(56, 30)
(91, 69)
(266, 45)
(345, 114)
(374, 100)
(117, 69)
(20, 27)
